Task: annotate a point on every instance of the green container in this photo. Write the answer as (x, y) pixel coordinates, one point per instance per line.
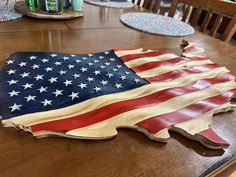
(51, 6)
(32, 5)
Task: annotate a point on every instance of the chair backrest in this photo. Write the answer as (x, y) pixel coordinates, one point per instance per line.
(151, 5)
(220, 8)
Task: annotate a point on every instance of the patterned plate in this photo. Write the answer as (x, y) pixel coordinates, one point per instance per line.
(156, 24)
(110, 4)
(7, 11)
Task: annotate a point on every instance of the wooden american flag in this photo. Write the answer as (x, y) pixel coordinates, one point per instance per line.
(181, 94)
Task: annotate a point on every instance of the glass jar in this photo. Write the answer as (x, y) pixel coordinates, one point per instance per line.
(51, 6)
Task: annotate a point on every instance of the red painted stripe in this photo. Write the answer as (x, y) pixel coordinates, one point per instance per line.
(171, 75)
(157, 123)
(212, 136)
(154, 64)
(114, 109)
(141, 55)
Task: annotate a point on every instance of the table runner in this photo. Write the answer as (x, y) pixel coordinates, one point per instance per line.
(156, 24)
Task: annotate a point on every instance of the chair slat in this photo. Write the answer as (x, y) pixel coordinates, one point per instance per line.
(173, 8)
(196, 15)
(216, 25)
(185, 13)
(230, 30)
(206, 21)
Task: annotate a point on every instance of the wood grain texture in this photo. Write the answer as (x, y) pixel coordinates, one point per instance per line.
(130, 153)
(67, 14)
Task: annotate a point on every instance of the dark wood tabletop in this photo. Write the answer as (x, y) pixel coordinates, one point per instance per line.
(130, 153)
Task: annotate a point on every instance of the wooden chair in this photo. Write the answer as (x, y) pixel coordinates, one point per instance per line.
(219, 8)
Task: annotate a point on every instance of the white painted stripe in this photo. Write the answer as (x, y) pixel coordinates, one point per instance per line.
(164, 69)
(144, 60)
(130, 52)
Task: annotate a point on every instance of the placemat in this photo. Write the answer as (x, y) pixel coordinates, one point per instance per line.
(111, 4)
(156, 24)
(7, 12)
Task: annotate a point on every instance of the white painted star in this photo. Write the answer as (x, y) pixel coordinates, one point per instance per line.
(114, 69)
(46, 102)
(35, 66)
(22, 64)
(29, 98)
(12, 82)
(112, 59)
(39, 77)
(101, 57)
(104, 82)
(27, 85)
(118, 86)
(42, 89)
(78, 61)
(71, 66)
(65, 58)
(52, 79)
(123, 77)
(137, 80)
(97, 89)
(127, 72)
(53, 55)
(106, 52)
(15, 107)
(24, 75)
(10, 62)
(48, 69)
(67, 82)
(58, 92)
(84, 58)
(90, 64)
(109, 75)
(72, 55)
(118, 66)
(96, 61)
(81, 85)
(90, 55)
(83, 69)
(76, 75)
(107, 63)
(32, 57)
(13, 93)
(44, 60)
(103, 67)
(62, 72)
(57, 63)
(90, 79)
(11, 72)
(73, 95)
(96, 72)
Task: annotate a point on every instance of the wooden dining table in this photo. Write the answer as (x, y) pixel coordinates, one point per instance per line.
(130, 153)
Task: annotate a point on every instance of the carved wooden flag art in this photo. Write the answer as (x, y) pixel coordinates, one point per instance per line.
(89, 96)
